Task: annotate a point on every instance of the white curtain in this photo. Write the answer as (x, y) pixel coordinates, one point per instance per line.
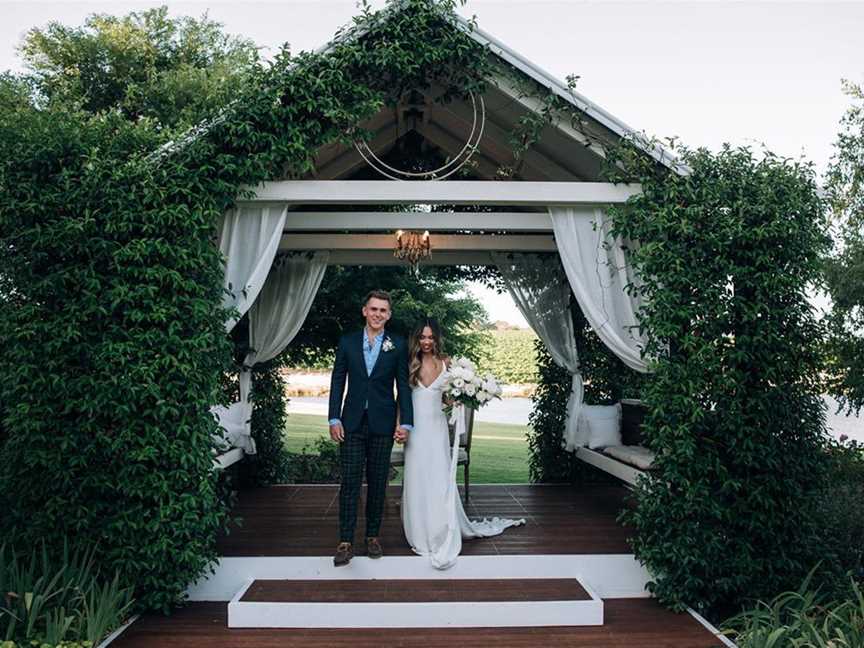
(249, 239)
(539, 287)
(598, 272)
(274, 320)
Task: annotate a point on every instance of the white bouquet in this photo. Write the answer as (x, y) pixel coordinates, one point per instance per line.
(465, 386)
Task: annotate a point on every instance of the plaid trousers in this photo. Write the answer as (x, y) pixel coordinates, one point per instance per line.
(362, 449)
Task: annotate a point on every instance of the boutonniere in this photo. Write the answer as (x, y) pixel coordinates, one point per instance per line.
(387, 345)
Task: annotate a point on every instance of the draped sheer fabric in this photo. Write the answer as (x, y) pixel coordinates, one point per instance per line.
(277, 296)
(598, 272)
(248, 239)
(540, 290)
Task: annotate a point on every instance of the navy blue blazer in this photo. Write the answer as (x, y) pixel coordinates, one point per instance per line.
(375, 389)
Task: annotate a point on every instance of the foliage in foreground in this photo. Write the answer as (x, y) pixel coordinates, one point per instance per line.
(735, 415)
(803, 617)
(844, 268)
(51, 600)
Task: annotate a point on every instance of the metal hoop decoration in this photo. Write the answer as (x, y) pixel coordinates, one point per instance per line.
(441, 172)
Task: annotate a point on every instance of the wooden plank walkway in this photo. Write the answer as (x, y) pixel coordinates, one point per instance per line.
(303, 521)
(628, 623)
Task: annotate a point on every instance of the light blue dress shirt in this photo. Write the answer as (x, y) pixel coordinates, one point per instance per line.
(371, 351)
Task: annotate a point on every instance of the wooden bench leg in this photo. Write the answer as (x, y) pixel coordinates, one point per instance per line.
(467, 482)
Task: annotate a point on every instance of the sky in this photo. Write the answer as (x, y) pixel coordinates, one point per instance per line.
(746, 73)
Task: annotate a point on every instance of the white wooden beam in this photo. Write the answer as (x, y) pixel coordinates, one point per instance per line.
(453, 192)
(438, 242)
(311, 221)
(386, 258)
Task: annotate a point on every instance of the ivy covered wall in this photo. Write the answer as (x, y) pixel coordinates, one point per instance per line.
(112, 328)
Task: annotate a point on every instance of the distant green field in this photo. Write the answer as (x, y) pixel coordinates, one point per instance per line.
(512, 356)
(499, 453)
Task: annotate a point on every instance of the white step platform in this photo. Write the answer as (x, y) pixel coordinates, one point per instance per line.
(405, 592)
(598, 575)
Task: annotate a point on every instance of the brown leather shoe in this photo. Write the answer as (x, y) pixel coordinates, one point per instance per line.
(373, 548)
(344, 554)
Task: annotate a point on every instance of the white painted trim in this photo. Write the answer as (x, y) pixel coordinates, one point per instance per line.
(726, 641)
(438, 242)
(451, 192)
(111, 637)
(608, 575)
(437, 614)
(607, 464)
(228, 458)
(574, 98)
(305, 221)
(425, 614)
(386, 258)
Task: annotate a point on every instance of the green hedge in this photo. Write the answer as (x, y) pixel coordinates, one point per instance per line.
(727, 254)
(513, 356)
(113, 335)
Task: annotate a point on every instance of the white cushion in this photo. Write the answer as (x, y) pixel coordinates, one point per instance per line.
(603, 423)
(638, 456)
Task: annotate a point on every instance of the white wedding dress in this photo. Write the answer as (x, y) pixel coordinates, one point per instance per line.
(432, 514)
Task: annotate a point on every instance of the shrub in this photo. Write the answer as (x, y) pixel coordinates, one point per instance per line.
(839, 510)
(801, 618)
(735, 414)
(114, 339)
(271, 463)
(320, 465)
(55, 600)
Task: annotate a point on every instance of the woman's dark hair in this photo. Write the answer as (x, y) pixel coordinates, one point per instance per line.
(414, 352)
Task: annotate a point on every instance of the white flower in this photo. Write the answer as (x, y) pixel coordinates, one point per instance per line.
(457, 372)
(470, 390)
(477, 381)
(455, 392)
(387, 345)
(459, 383)
(490, 385)
(465, 362)
(482, 397)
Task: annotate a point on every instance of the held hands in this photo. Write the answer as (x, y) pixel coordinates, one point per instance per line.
(400, 435)
(337, 433)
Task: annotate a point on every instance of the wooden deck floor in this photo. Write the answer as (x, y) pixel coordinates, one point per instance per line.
(630, 623)
(302, 521)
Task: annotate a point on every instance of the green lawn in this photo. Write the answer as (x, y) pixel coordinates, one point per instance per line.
(499, 452)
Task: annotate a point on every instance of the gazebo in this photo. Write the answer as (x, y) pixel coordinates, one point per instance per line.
(543, 223)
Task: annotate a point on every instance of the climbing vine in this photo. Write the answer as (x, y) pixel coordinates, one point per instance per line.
(727, 253)
(113, 325)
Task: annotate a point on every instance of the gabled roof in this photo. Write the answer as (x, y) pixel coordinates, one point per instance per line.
(603, 124)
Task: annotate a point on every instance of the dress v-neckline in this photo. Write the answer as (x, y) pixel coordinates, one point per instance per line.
(440, 373)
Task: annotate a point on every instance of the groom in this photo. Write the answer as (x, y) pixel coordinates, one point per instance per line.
(364, 426)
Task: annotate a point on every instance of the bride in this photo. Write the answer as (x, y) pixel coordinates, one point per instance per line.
(432, 514)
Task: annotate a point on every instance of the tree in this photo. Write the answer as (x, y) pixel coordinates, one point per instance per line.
(845, 267)
(433, 292)
(174, 71)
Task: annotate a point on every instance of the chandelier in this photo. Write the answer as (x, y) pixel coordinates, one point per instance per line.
(412, 246)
